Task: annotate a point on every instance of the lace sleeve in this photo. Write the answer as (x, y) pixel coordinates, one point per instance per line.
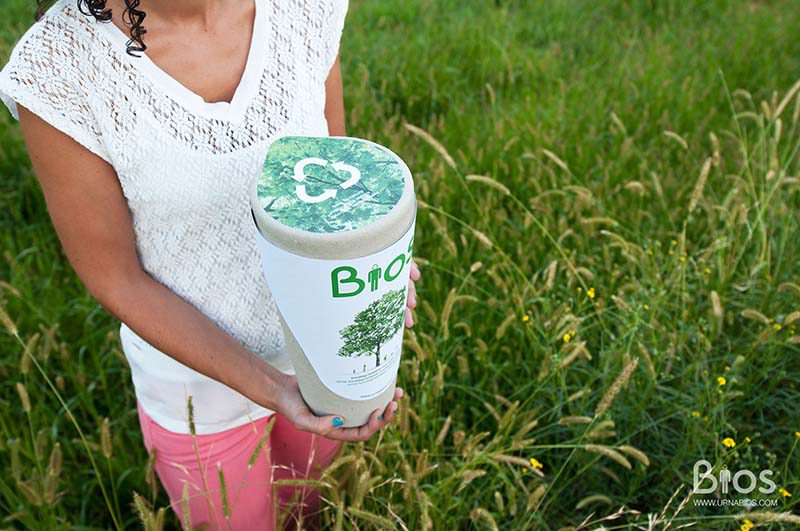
(43, 76)
(332, 32)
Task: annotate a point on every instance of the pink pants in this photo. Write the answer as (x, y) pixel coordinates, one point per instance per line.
(252, 500)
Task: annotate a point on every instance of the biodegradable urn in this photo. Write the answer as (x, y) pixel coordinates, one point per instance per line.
(335, 230)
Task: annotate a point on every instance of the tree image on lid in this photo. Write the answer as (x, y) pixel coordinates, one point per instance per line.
(373, 326)
(327, 185)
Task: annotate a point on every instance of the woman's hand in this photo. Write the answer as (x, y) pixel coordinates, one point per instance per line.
(291, 405)
(411, 301)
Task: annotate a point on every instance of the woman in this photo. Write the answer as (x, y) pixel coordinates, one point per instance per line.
(145, 127)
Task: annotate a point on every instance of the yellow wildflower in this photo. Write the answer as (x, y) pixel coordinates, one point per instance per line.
(728, 442)
(671, 252)
(785, 493)
(535, 463)
(696, 414)
(777, 327)
(526, 318)
(797, 434)
(721, 381)
(567, 337)
(683, 258)
(673, 242)
(747, 525)
(708, 271)
(747, 439)
(590, 293)
(646, 307)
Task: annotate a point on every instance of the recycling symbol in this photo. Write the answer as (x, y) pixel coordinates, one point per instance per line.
(329, 193)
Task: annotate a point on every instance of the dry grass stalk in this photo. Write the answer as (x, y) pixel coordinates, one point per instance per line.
(501, 330)
(226, 509)
(635, 453)
(697, 193)
(482, 238)
(261, 442)
(770, 517)
(479, 514)
(550, 275)
(488, 181)
(616, 387)
(468, 476)
(535, 497)
(608, 452)
(791, 318)
(672, 135)
(446, 311)
(755, 315)
(24, 398)
(617, 122)
(150, 473)
(525, 429)
(443, 432)
(435, 144)
(555, 158)
(379, 521)
(519, 461)
(571, 421)
(152, 521)
(787, 98)
(648, 361)
(593, 499)
(716, 307)
(636, 187)
(27, 353)
(6, 321)
(105, 438)
(424, 505)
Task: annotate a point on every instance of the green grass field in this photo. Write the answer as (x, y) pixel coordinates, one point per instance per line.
(609, 240)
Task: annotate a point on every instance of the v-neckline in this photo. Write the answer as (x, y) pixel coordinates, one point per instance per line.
(222, 110)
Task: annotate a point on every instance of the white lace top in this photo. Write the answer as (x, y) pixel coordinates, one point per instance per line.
(184, 166)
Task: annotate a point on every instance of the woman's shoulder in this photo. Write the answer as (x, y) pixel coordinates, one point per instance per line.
(320, 27)
(57, 48)
(52, 72)
(63, 33)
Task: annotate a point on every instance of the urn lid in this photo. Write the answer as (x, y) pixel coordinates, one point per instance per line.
(315, 193)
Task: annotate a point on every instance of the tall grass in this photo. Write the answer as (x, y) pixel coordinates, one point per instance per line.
(608, 231)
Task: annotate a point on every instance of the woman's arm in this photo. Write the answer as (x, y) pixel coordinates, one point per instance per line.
(92, 220)
(334, 101)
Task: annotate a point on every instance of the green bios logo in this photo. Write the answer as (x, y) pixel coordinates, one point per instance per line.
(347, 281)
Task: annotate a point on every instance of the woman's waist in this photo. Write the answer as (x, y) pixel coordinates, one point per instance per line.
(164, 387)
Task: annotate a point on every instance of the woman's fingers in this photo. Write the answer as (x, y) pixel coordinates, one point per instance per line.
(320, 425)
(415, 272)
(411, 299)
(362, 433)
(377, 420)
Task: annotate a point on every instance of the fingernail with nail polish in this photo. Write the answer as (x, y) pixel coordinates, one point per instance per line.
(380, 417)
(337, 421)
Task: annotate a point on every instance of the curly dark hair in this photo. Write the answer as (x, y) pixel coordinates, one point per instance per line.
(133, 17)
